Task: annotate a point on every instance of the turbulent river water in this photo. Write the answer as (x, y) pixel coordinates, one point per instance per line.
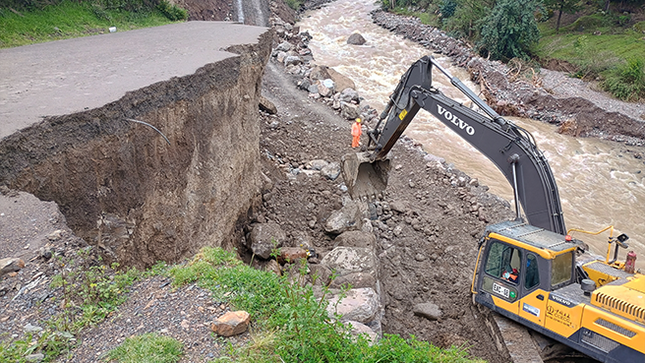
(601, 183)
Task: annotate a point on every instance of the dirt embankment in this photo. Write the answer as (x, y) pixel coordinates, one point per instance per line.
(510, 95)
(124, 189)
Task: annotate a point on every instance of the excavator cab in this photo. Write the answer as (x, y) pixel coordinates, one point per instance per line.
(519, 265)
(542, 292)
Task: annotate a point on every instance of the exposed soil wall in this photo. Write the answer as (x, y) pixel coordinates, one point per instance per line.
(122, 187)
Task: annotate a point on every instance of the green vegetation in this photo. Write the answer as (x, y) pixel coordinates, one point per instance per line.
(294, 4)
(147, 348)
(510, 29)
(601, 40)
(627, 81)
(290, 324)
(28, 22)
(464, 22)
(89, 293)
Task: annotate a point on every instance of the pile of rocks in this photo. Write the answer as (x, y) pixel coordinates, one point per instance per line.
(323, 83)
(352, 261)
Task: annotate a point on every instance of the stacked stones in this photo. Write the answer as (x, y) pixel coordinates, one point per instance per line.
(352, 261)
(323, 83)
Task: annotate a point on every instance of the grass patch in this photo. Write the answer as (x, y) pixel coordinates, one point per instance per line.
(289, 323)
(147, 348)
(627, 82)
(71, 19)
(90, 293)
(294, 4)
(601, 49)
(427, 17)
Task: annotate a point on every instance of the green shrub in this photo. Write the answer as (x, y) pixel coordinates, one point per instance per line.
(627, 82)
(294, 4)
(466, 21)
(510, 29)
(639, 27)
(148, 348)
(172, 11)
(447, 8)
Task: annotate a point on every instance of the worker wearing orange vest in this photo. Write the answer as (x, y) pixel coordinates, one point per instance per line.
(356, 132)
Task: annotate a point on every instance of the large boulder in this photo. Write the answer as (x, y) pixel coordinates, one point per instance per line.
(427, 310)
(348, 260)
(292, 60)
(265, 238)
(348, 111)
(325, 87)
(362, 329)
(231, 323)
(323, 72)
(267, 106)
(355, 239)
(356, 39)
(360, 305)
(10, 265)
(340, 80)
(331, 171)
(349, 95)
(347, 218)
(319, 73)
(284, 47)
(355, 280)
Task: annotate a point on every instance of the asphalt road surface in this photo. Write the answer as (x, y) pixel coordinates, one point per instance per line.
(72, 75)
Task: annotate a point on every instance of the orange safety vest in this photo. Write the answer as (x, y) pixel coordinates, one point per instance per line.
(356, 129)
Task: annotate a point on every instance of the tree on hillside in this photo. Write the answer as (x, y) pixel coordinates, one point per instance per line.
(510, 29)
(566, 6)
(465, 20)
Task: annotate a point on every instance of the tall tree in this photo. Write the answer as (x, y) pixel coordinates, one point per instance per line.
(510, 29)
(562, 6)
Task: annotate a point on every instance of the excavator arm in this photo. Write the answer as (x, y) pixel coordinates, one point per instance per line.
(511, 148)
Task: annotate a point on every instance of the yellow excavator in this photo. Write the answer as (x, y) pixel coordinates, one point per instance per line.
(530, 269)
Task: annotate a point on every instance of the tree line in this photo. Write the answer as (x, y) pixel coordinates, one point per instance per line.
(503, 29)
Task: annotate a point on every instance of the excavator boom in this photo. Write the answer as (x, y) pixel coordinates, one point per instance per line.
(511, 148)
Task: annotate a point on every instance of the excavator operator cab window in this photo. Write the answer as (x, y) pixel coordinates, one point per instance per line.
(504, 262)
(532, 278)
(561, 269)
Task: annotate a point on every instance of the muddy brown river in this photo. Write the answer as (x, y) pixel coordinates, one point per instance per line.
(601, 183)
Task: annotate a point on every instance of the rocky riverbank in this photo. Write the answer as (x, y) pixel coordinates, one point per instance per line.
(585, 113)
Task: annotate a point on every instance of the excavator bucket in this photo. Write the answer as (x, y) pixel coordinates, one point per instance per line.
(364, 178)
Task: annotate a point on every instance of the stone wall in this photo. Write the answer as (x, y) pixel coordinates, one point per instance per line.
(122, 187)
